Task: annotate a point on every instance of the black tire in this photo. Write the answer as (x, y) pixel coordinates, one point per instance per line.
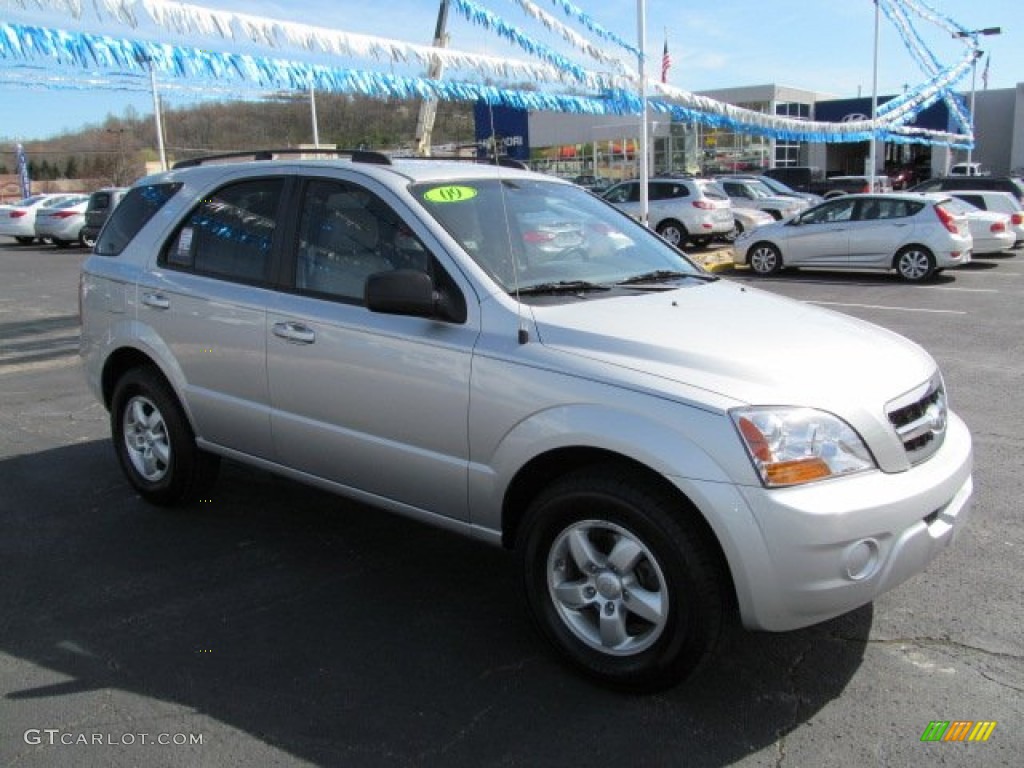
(764, 259)
(24, 240)
(915, 264)
(735, 232)
(673, 232)
(154, 441)
(87, 240)
(597, 619)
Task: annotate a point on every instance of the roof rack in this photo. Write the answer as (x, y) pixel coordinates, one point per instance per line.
(357, 156)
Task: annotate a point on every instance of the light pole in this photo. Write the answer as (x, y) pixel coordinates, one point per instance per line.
(119, 170)
(974, 34)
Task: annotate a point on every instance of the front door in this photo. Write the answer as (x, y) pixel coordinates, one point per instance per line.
(374, 402)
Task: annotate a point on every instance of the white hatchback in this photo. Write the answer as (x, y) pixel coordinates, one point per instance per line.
(990, 230)
(1000, 202)
(680, 210)
(916, 235)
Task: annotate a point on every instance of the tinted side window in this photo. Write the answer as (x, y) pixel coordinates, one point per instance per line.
(347, 233)
(137, 208)
(839, 210)
(344, 232)
(99, 201)
(230, 234)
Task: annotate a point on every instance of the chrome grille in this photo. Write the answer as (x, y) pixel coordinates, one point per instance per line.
(920, 420)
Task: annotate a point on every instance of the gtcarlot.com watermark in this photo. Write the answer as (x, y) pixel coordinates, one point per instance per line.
(55, 737)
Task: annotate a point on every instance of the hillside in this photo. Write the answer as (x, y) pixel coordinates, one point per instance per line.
(116, 151)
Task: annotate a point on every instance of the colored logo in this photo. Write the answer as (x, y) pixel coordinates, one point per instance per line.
(449, 194)
(958, 730)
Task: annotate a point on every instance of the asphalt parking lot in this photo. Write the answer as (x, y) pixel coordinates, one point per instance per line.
(277, 625)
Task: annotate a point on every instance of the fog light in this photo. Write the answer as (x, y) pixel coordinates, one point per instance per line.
(861, 559)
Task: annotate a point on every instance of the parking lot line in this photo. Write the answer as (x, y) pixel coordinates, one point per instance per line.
(963, 290)
(895, 309)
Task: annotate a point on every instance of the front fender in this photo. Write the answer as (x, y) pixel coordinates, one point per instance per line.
(670, 439)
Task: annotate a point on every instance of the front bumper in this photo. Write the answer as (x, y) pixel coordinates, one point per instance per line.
(809, 553)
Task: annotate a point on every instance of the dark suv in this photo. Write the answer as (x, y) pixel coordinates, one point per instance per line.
(101, 203)
(1009, 184)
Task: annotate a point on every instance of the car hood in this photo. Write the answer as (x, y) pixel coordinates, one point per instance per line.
(742, 344)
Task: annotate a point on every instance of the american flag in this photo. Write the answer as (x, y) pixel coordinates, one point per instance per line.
(666, 62)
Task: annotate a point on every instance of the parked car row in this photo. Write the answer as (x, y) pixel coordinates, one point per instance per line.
(61, 219)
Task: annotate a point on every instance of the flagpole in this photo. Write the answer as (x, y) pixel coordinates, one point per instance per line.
(641, 14)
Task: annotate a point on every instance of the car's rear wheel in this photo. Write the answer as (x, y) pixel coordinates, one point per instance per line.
(87, 240)
(765, 259)
(673, 232)
(154, 441)
(915, 263)
(620, 579)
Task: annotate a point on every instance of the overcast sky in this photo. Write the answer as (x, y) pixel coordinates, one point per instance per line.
(820, 45)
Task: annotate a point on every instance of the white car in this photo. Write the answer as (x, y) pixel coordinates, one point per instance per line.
(1000, 202)
(748, 193)
(969, 169)
(62, 222)
(745, 220)
(916, 235)
(989, 230)
(18, 220)
(680, 210)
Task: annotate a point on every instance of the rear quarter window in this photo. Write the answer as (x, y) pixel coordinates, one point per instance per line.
(135, 210)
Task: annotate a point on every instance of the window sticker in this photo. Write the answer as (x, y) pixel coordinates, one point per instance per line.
(182, 253)
(449, 194)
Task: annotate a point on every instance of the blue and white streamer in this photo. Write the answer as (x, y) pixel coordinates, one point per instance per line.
(619, 92)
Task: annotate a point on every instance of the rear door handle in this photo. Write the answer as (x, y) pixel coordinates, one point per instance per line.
(297, 333)
(156, 301)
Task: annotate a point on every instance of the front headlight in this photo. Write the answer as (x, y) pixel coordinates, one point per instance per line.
(789, 446)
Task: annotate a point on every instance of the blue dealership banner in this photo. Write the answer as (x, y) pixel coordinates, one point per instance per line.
(506, 129)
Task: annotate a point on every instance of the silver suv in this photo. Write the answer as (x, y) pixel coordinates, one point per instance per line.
(680, 210)
(393, 332)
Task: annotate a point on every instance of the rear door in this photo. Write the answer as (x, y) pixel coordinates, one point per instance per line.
(205, 299)
(880, 227)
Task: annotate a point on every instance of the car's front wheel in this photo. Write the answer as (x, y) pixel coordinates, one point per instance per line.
(154, 441)
(621, 579)
(915, 263)
(765, 259)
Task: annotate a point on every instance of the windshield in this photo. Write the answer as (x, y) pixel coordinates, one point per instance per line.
(528, 233)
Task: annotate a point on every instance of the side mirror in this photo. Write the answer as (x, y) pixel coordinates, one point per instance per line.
(409, 292)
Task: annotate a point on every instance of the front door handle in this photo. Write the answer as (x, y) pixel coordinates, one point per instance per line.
(156, 301)
(297, 333)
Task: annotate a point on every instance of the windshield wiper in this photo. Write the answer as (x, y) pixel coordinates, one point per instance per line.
(562, 286)
(659, 275)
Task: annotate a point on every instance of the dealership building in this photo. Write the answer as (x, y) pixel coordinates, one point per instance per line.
(607, 145)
